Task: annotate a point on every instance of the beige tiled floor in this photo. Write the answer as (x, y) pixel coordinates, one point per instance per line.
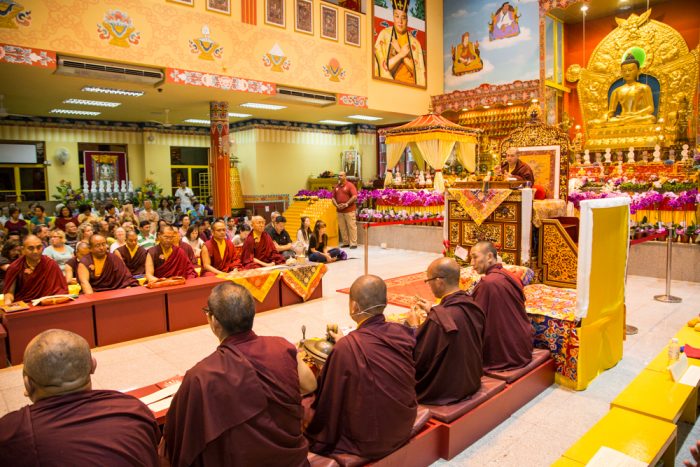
(536, 435)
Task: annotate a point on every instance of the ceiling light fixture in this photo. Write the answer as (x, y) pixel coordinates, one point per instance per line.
(487, 106)
(237, 115)
(509, 103)
(334, 122)
(197, 121)
(257, 105)
(584, 9)
(365, 117)
(120, 92)
(74, 112)
(93, 103)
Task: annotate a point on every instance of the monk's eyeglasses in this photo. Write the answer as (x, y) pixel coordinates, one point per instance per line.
(432, 279)
(206, 310)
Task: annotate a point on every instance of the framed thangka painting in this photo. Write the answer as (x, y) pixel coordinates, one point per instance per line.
(352, 29)
(304, 16)
(400, 41)
(219, 6)
(274, 13)
(329, 22)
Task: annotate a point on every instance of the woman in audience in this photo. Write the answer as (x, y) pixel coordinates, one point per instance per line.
(11, 250)
(64, 217)
(192, 238)
(71, 267)
(85, 231)
(184, 225)
(243, 232)
(304, 233)
(58, 250)
(318, 246)
(128, 214)
(85, 214)
(15, 224)
(205, 230)
(165, 211)
(40, 217)
(119, 239)
(209, 208)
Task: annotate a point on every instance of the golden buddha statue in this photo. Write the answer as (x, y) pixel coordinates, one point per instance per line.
(633, 97)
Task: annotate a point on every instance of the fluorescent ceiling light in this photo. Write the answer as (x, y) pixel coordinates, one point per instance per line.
(365, 117)
(74, 112)
(94, 103)
(120, 92)
(237, 115)
(257, 105)
(197, 121)
(334, 122)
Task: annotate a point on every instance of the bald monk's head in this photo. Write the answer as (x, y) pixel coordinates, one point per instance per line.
(98, 246)
(32, 248)
(258, 224)
(132, 239)
(443, 276)
(168, 237)
(81, 249)
(57, 362)
(367, 297)
(483, 256)
(218, 230)
(231, 310)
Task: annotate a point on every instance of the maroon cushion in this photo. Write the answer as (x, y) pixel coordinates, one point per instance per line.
(449, 413)
(350, 460)
(422, 417)
(317, 460)
(539, 356)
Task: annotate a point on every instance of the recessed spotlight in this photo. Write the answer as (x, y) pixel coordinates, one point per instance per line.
(237, 115)
(365, 117)
(197, 121)
(120, 92)
(584, 8)
(334, 122)
(486, 106)
(74, 112)
(93, 103)
(509, 103)
(465, 109)
(535, 101)
(257, 105)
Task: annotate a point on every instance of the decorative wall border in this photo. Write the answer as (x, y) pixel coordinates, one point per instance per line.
(301, 126)
(517, 92)
(19, 55)
(352, 101)
(227, 83)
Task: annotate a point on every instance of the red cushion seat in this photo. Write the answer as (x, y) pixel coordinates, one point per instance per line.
(449, 413)
(539, 356)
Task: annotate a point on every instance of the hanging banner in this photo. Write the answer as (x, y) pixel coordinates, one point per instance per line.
(107, 166)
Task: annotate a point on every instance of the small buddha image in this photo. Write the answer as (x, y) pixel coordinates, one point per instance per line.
(634, 98)
(504, 23)
(466, 57)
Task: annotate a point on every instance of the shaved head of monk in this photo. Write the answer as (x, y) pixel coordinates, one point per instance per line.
(258, 223)
(367, 297)
(57, 362)
(231, 310)
(132, 239)
(218, 230)
(443, 276)
(81, 249)
(98, 246)
(32, 248)
(168, 236)
(483, 256)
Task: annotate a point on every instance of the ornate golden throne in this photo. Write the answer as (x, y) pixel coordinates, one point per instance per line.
(668, 67)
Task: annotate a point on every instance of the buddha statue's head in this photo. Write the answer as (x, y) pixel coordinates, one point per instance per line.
(630, 68)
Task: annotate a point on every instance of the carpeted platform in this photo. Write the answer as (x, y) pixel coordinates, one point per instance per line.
(402, 290)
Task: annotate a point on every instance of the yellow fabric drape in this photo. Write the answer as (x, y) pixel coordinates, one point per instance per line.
(393, 155)
(466, 154)
(420, 162)
(435, 152)
(426, 135)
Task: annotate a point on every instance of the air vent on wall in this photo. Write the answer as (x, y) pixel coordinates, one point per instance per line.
(300, 96)
(73, 66)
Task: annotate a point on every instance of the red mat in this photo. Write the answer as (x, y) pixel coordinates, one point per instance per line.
(402, 290)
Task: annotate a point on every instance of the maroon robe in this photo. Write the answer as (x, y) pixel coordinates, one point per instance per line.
(81, 428)
(177, 264)
(508, 337)
(47, 279)
(189, 251)
(366, 399)
(115, 274)
(451, 338)
(137, 263)
(241, 405)
(522, 171)
(61, 222)
(264, 250)
(230, 261)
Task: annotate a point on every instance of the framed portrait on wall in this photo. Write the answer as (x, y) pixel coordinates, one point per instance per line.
(351, 163)
(219, 6)
(402, 21)
(274, 13)
(329, 22)
(304, 16)
(352, 29)
(183, 2)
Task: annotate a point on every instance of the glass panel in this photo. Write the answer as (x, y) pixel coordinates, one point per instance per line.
(200, 191)
(32, 178)
(176, 176)
(7, 179)
(549, 49)
(560, 53)
(33, 195)
(189, 156)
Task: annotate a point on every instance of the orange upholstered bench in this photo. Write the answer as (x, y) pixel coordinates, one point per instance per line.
(449, 413)
(539, 356)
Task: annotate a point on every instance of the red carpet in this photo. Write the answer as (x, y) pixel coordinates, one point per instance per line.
(402, 289)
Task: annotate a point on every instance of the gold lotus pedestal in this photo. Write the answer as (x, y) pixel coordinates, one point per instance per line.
(623, 137)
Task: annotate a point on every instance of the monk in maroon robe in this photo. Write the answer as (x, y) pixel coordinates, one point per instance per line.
(366, 399)
(241, 405)
(101, 270)
(33, 275)
(133, 255)
(513, 167)
(508, 336)
(451, 337)
(213, 261)
(68, 422)
(259, 249)
(167, 260)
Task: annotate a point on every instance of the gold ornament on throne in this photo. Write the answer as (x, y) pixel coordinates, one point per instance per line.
(618, 106)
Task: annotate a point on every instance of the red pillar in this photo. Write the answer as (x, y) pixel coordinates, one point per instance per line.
(219, 158)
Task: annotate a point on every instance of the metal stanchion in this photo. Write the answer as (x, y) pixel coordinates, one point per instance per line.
(667, 297)
(366, 226)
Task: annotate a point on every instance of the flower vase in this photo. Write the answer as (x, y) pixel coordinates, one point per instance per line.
(691, 238)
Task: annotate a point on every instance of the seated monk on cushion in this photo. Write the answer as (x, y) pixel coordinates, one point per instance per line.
(219, 256)
(133, 255)
(33, 275)
(101, 270)
(68, 422)
(241, 405)
(508, 335)
(167, 260)
(259, 249)
(451, 337)
(513, 167)
(366, 398)
(82, 249)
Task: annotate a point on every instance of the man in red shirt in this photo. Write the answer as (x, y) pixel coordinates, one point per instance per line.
(344, 198)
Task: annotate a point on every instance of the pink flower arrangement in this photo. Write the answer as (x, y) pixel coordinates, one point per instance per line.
(387, 197)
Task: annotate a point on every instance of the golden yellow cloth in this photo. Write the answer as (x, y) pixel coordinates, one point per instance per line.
(133, 252)
(166, 254)
(222, 247)
(402, 72)
(99, 264)
(478, 204)
(257, 282)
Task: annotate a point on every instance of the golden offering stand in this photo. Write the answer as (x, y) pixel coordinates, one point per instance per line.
(670, 70)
